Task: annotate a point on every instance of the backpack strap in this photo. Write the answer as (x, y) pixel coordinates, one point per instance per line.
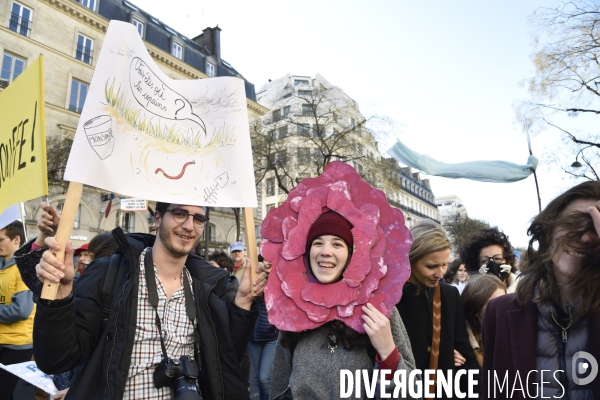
(108, 288)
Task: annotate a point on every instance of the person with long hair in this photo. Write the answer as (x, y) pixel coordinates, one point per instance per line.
(340, 256)
(477, 294)
(490, 252)
(552, 322)
(457, 275)
(424, 298)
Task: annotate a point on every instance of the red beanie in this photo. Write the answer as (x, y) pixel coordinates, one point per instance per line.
(330, 223)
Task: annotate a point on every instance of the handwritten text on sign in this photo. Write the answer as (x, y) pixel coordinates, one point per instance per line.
(23, 174)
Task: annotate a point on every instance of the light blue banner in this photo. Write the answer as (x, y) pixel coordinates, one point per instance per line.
(483, 171)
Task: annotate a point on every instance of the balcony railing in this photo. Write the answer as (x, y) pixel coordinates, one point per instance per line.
(84, 54)
(19, 24)
(75, 109)
(3, 83)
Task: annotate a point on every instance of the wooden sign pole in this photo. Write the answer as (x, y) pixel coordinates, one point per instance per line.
(250, 235)
(63, 233)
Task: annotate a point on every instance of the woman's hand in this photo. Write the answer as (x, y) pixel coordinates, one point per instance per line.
(379, 330)
(47, 223)
(458, 359)
(595, 213)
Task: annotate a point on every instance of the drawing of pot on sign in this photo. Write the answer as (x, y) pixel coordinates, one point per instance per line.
(99, 135)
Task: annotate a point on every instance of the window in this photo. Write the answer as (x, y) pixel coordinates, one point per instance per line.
(85, 47)
(302, 176)
(210, 70)
(211, 229)
(318, 131)
(78, 92)
(300, 82)
(77, 222)
(276, 115)
(139, 25)
(303, 155)
(283, 132)
(352, 123)
(286, 111)
(273, 135)
(126, 220)
(177, 51)
(304, 93)
(91, 4)
(270, 186)
(20, 19)
(307, 109)
(303, 129)
(12, 66)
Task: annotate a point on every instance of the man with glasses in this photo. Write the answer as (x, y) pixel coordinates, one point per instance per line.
(490, 252)
(124, 341)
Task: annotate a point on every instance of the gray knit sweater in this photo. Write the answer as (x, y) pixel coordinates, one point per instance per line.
(314, 371)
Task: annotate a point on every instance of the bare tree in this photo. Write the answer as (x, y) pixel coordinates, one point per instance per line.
(566, 59)
(311, 128)
(460, 227)
(57, 154)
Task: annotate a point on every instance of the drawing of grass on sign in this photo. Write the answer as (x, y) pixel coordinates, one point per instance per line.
(222, 137)
(131, 114)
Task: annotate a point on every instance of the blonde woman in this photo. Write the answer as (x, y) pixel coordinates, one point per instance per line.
(428, 258)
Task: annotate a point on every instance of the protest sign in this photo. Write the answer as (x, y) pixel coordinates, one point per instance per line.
(28, 371)
(145, 135)
(134, 205)
(23, 172)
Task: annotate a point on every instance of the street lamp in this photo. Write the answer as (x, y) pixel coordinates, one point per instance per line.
(577, 164)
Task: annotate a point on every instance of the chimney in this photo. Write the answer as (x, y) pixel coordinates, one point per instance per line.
(211, 40)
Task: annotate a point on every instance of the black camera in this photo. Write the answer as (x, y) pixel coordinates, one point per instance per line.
(180, 374)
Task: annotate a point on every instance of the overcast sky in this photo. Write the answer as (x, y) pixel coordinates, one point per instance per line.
(447, 72)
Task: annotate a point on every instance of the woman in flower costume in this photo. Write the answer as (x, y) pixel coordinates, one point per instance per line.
(340, 257)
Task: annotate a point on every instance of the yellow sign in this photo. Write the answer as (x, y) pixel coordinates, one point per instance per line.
(23, 171)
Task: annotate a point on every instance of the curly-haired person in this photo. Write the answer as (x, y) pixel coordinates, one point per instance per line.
(490, 252)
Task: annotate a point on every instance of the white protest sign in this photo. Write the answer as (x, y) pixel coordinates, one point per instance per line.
(28, 371)
(134, 205)
(11, 214)
(145, 135)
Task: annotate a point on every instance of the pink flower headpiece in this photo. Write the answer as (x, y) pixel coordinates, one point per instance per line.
(377, 271)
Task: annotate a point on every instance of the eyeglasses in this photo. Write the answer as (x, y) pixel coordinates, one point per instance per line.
(180, 216)
(498, 259)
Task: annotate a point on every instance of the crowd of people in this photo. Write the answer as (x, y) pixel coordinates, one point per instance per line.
(142, 317)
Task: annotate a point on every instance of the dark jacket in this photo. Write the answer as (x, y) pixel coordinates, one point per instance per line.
(263, 331)
(416, 312)
(509, 337)
(66, 335)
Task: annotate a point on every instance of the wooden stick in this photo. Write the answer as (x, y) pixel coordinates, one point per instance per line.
(63, 233)
(250, 235)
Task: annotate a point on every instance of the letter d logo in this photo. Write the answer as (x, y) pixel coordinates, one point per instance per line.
(582, 363)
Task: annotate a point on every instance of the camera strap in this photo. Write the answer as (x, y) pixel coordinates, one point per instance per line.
(190, 306)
